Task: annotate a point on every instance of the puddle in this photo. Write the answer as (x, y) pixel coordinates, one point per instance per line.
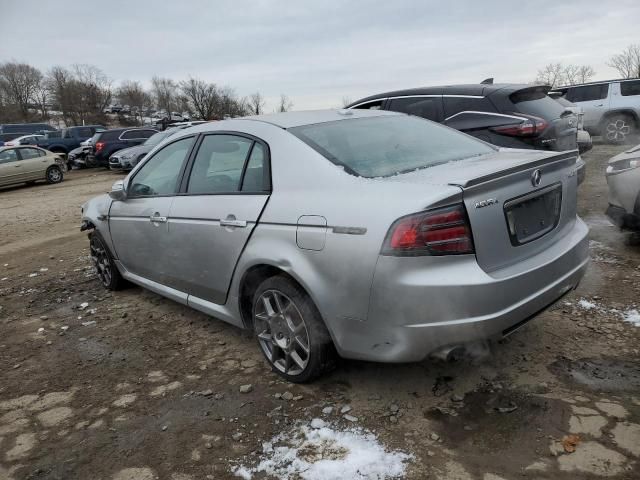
(599, 374)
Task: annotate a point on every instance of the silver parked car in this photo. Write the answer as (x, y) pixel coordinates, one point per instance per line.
(623, 178)
(370, 234)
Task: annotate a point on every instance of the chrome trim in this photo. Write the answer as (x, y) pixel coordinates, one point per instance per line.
(414, 96)
(486, 113)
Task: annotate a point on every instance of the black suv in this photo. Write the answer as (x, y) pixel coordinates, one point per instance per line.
(105, 143)
(507, 115)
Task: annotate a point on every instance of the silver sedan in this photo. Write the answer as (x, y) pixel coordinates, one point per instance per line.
(353, 233)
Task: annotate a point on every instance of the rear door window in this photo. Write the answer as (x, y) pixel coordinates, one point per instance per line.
(453, 105)
(425, 107)
(373, 105)
(628, 89)
(588, 93)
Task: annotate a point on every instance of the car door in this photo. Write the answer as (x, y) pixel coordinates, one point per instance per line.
(223, 194)
(138, 225)
(34, 162)
(11, 170)
(594, 100)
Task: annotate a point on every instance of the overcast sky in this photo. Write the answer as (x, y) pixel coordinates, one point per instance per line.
(318, 52)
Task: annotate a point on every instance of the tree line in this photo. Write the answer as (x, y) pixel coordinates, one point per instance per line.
(82, 93)
(626, 63)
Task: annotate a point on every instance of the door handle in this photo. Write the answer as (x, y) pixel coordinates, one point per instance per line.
(600, 105)
(156, 218)
(231, 221)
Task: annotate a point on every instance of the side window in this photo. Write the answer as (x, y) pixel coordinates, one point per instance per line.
(628, 89)
(84, 132)
(8, 156)
(218, 165)
(131, 135)
(588, 93)
(146, 133)
(254, 175)
(453, 105)
(374, 105)
(159, 175)
(28, 153)
(425, 107)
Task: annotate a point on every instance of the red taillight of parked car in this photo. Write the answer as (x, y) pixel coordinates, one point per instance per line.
(444, 231)
(99, 146)
(530, 127)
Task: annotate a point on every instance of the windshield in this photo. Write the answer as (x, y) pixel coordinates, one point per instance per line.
(156, 138)
(388, 145)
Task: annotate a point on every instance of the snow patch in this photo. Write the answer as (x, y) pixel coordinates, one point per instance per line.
(327, 453)
(587, 305)
(632, 316)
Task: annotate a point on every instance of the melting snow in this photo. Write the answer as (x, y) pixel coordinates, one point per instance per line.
(632, 316)
(327, 454)
(586, 304)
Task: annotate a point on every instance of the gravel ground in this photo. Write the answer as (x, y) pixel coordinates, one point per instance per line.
(129, 385)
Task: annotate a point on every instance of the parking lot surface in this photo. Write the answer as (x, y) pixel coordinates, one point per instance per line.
(129, 385)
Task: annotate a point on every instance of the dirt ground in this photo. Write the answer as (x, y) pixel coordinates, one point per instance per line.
(95, 385)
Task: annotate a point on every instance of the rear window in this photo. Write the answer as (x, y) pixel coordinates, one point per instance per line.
(628, 89)
(389, 145)
(536, 102)
(108, 135)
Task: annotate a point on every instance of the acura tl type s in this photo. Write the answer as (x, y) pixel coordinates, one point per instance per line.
(365, 234)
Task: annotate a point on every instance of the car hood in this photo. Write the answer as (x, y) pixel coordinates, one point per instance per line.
(134, 151)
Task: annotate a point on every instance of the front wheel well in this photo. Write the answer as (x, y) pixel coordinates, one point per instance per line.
(627, 113)
(250, 282)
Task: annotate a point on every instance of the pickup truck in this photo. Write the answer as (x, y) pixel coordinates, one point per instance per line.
(69, 138)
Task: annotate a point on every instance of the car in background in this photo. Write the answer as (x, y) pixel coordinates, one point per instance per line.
(106, 143)
(27, 164)
(69, 139)
(611, 107)
(20, 129)
(623, 179)
(370, 234)
(128, 158)
(506, 115)
(585, 142)
(24, 140)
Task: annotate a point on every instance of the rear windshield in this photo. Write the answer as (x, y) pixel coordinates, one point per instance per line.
(109, 135)
(388, 145)
(533, 101)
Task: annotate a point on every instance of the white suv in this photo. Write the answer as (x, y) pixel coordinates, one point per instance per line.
(611, 108)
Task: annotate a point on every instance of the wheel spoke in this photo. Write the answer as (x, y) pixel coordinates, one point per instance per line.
(302, 345)
(267, 306)
(279, 308)
(298, 361)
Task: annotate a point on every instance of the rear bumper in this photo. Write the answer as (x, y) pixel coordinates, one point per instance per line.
(421, 304)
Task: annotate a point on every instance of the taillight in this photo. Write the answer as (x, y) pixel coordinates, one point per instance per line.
(530, 127)
(99, 146)
(444, 231)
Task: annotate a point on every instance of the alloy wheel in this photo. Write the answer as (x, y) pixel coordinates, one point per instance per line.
(617, 130)
(282, 332)
(54, 175)
(101, 261)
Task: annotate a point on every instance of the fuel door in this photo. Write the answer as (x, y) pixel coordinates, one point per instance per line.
(311, 232)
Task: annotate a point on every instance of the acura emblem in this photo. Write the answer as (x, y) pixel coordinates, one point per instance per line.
(536, 177)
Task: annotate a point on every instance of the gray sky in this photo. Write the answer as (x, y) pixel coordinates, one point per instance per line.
(318, 52)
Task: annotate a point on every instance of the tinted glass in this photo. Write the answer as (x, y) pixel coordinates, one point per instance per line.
(453, 105)
(27, 153)
(7, 156)
(254, 175)
(375, 105)
(536, 102)
(159, 175)
(108, 136)
(133, 135)
(384, 146)
(218, 164)
(424, 107)
(630, 88)
(588, 93)
(84, 132)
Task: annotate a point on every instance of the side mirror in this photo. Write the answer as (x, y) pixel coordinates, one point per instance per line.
(118, 191)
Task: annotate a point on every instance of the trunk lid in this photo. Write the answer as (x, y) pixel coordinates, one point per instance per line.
(513, 211)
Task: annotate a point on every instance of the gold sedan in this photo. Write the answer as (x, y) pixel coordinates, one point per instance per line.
(26, 164)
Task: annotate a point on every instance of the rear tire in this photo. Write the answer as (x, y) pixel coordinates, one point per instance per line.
(104, 263)
(54, 174)
(618, 128)
(290, 331)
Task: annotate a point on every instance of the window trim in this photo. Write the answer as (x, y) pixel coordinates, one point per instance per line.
(182, 191)
(185, 161)
(42, 153)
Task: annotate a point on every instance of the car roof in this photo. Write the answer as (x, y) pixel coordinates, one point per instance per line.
(470, 89)
(296, 119)
(596, 82)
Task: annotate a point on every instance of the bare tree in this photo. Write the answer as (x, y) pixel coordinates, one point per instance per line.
(231, 105)
(19, 82)
(256, 103)
(285, 103)
(203, 97)
(133, 94)
(556, 74)
(627, 63)
(164, 91)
